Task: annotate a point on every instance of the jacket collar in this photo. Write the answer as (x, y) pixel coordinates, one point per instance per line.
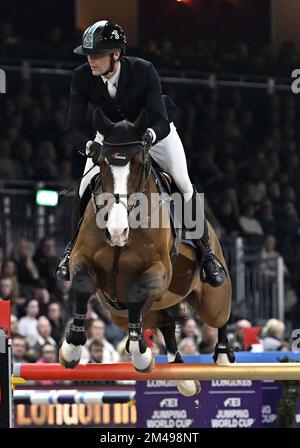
(124, 80)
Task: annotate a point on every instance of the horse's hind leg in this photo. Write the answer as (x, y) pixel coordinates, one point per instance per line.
(82, 288)
(223, 353)
(213, 306)
(188, 388)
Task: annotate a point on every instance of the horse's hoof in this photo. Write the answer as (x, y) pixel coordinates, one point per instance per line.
(150, 366)
(73, 355)
(223, 355)
(188, 388)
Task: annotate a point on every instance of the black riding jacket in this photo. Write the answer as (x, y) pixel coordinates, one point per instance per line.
(138, 87)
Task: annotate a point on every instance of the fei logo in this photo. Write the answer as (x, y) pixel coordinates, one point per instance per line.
(2, 81)
(169, 403)
(234, 402)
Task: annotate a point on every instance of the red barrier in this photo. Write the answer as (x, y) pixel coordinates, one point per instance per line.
(105, 372)
(5, 315)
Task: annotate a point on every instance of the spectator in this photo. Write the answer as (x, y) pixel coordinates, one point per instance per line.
(43, 336)
(270, 258)
(8, 169)
(26, 269)
(56, 321)
(19, 349)
(273, 333)
(42, 295)
(24, 160)
(2, 253)
(62, 294)
(7, 36)
(156, 349)
(250, 225)
(209, 339)
(13, 325)
(110, 355)
(48, 353)
(9, 270)
(190, 329)
(45, 260)
(6, 288)
(28, 324)
(267, 219)
(188, 346)
(49, 356)
(228, 220)
(236, 339)
(46, 168)
(289, 221)
(96, 352)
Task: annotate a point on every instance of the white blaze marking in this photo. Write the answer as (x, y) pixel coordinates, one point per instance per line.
(117, 217)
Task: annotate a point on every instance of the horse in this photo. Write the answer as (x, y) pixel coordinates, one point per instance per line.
(131, 269)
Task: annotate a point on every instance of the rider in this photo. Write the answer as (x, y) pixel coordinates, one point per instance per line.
(122, 86)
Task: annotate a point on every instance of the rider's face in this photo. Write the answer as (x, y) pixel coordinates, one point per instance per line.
(100, 63)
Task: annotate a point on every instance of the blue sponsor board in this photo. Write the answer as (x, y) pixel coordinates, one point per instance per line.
(221, 403)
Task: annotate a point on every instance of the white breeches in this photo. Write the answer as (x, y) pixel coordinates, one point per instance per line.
(168, 153)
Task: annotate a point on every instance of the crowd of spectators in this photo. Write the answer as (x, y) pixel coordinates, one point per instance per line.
(243, 151)
(202, 55)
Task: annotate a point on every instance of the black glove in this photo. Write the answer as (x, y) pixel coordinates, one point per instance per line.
(147, 139)
(94, 151)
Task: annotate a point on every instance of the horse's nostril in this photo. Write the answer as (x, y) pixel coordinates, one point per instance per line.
(124, 232)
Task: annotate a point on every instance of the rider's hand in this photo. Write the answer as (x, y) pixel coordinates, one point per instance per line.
(148, 139)
(93, 151)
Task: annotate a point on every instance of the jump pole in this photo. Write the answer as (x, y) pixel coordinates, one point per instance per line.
(117, 372)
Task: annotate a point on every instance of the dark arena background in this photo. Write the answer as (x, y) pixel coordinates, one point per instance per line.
(232, 68)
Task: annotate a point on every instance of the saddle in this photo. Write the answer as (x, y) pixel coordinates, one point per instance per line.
(165, 184)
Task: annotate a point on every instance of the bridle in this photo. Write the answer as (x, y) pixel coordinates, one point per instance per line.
(144, 178)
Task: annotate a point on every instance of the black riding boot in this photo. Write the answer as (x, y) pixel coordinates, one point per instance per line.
(62, 271)
(210, 265)
(215, 273)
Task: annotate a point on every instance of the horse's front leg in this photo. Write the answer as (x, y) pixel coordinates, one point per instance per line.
(166, 322)
(82, 289)
(147, 288)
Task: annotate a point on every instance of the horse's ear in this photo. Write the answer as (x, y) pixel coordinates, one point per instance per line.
(142, 122)
(101, 122)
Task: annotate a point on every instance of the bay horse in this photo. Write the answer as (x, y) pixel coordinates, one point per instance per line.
(130, 269)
